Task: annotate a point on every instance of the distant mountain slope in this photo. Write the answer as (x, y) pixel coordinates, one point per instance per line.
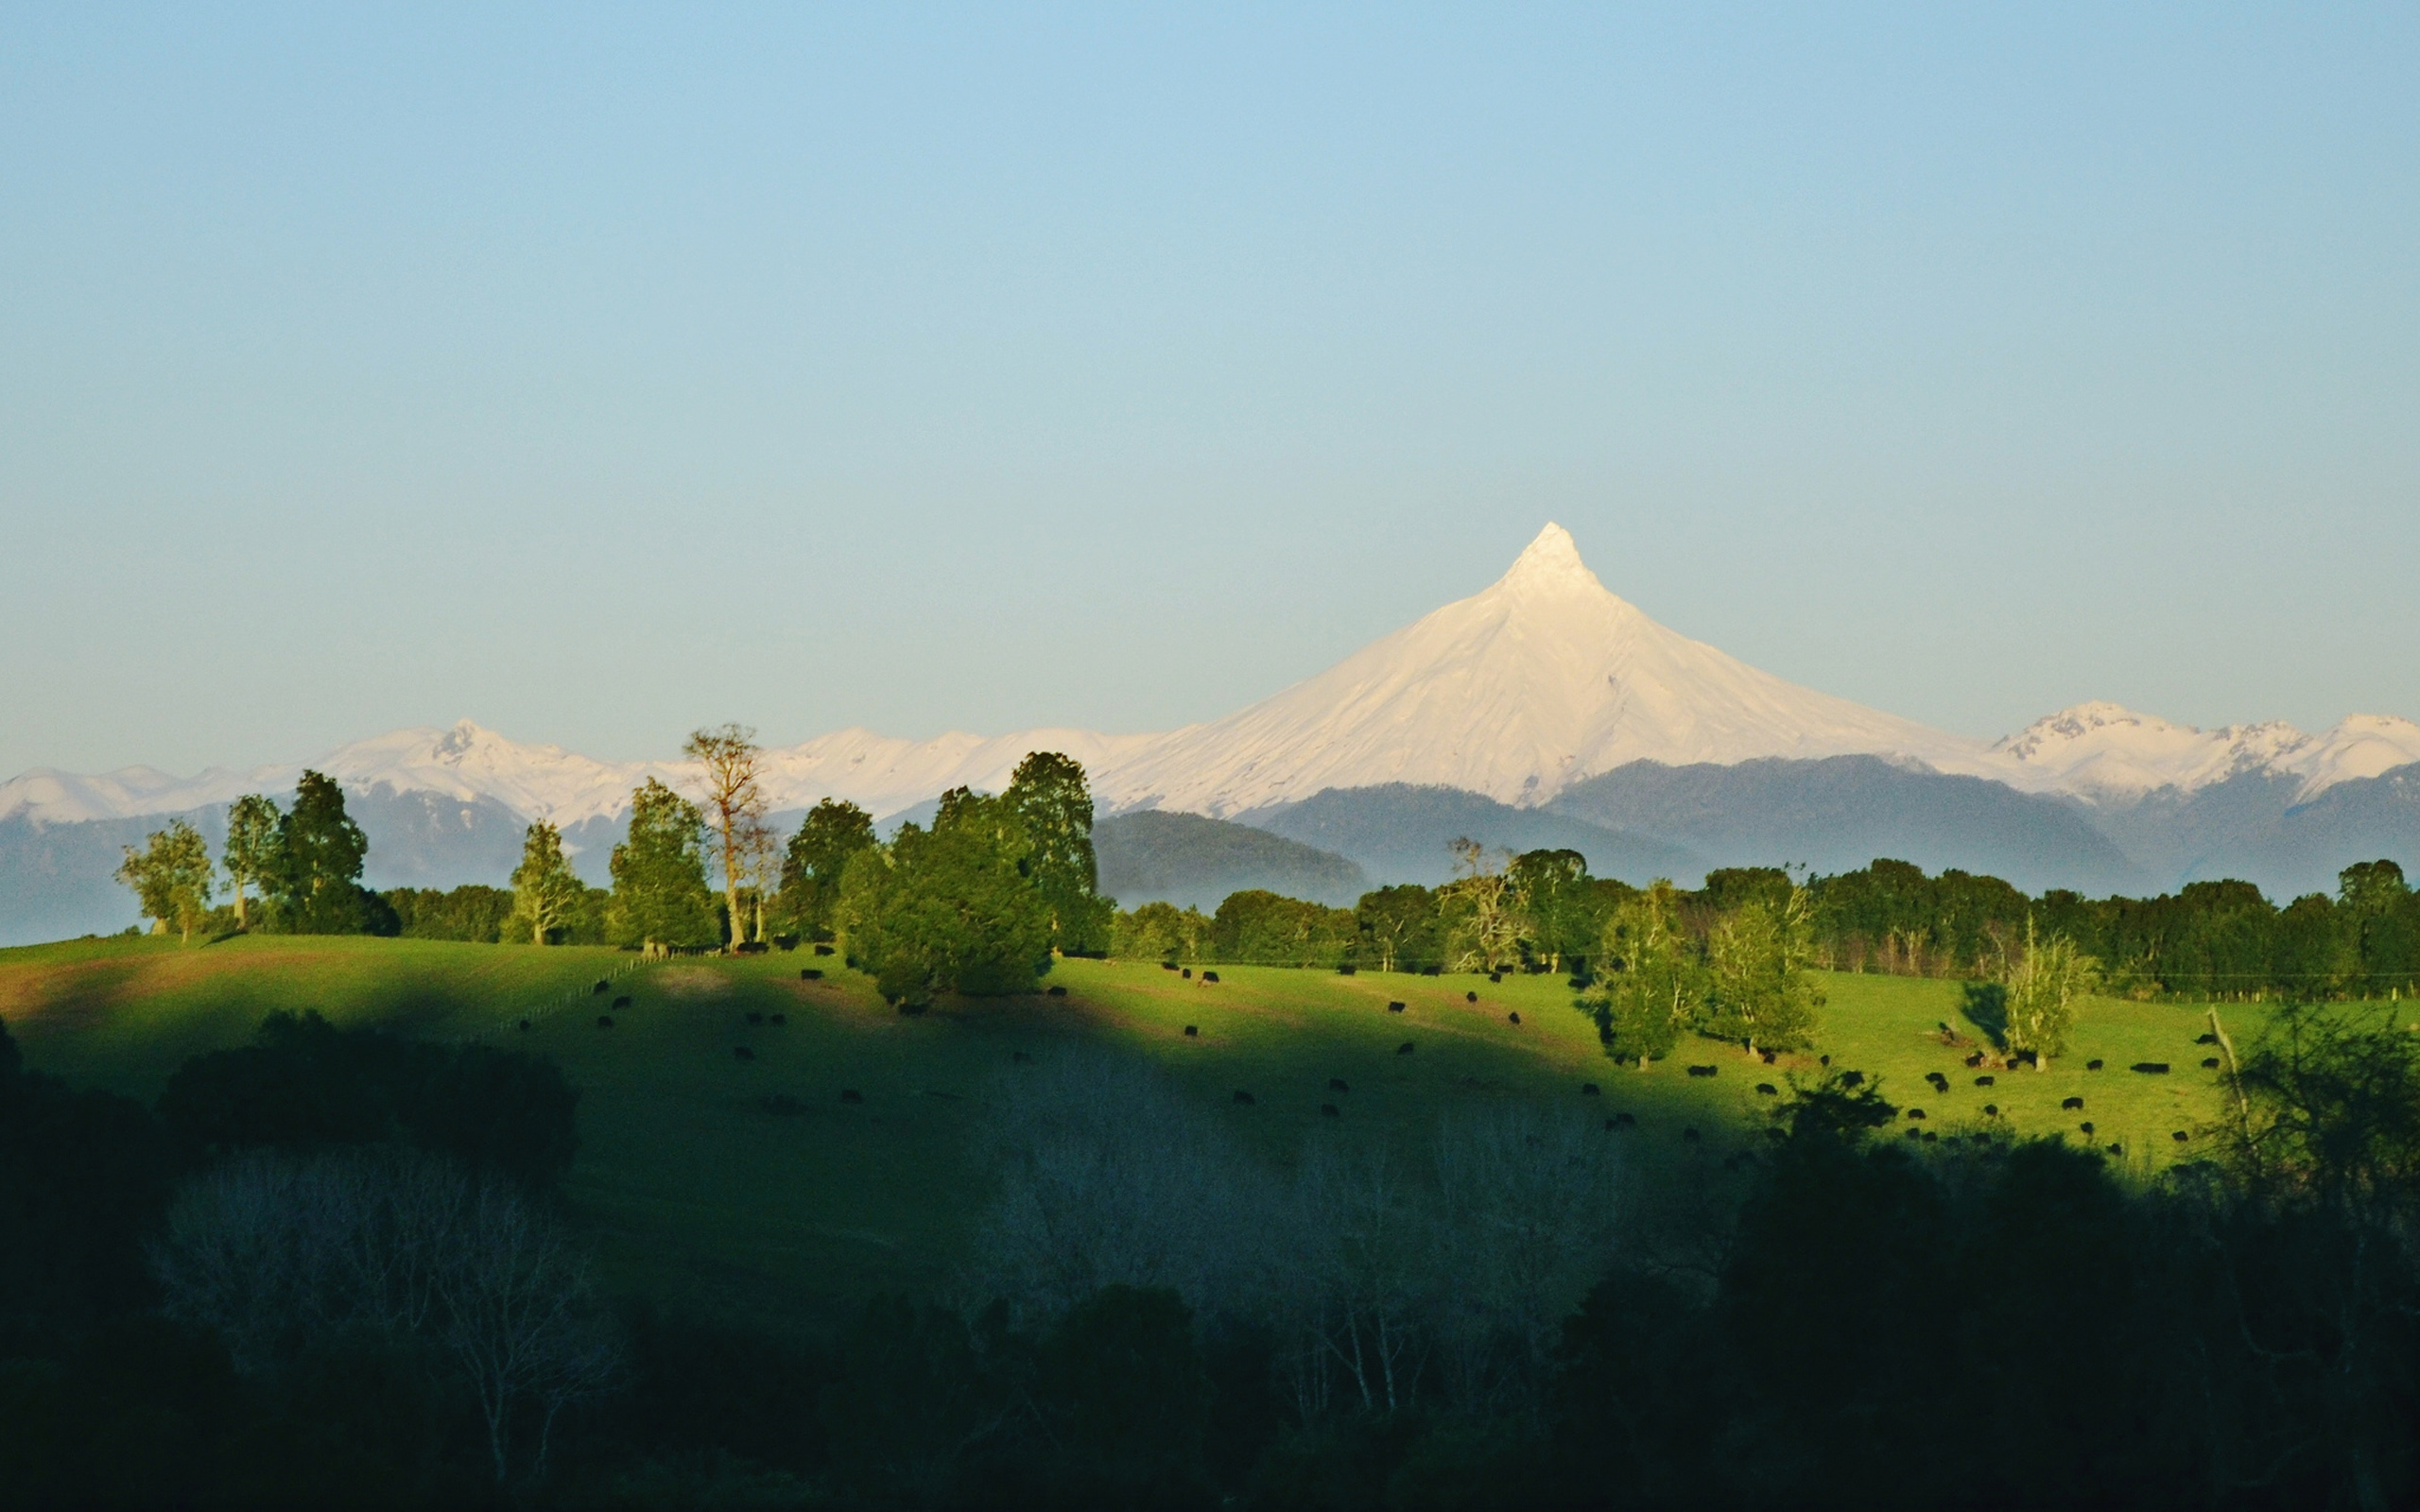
(1193, 860)
(2251, 826)
(1841, 811)
(1399, 833)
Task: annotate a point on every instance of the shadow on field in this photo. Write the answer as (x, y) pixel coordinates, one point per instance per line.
(1985, 1006)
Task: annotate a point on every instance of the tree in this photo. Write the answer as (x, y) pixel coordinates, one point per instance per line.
(1481, 926)
(659, 897)
(251, 855)
(761, 849)
(320, 855)
(1653, 987)
(949, 909)
(172, 877)
(1552, 892)
(734, 801)
(1048, 794)
(1758, 989)
(2044, 988)
(545, 891)
(1400, 927)
(834, 831)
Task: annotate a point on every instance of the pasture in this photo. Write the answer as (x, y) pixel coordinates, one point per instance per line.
(747, 1184)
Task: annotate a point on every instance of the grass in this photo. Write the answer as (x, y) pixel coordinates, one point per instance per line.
(700, 1192)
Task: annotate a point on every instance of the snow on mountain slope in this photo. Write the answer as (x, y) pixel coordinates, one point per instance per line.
(2105, 750)
(1541, 679)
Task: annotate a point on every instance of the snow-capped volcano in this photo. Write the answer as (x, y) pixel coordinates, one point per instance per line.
(1541, 679)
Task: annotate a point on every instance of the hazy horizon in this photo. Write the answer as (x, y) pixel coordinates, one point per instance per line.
(594, 377)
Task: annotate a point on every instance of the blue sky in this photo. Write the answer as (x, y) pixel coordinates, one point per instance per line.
(597, 372)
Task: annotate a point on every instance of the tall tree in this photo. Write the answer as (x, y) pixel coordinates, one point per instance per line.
(1653, 987)
(949, 909)
(660, 895)
(172, 876)
(2044, 988)
(321, 853)
(834, 831)
(251, 855)
(1552, 892)
(735, 802)
(545, 891)
(1048, 794)
(1400, 927)
(1758, 989)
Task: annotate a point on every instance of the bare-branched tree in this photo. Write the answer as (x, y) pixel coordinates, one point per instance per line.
(731, 760)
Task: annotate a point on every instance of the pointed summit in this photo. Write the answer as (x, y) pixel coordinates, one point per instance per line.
(1550, 564)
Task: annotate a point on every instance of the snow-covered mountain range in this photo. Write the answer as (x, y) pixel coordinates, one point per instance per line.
(1540, 681)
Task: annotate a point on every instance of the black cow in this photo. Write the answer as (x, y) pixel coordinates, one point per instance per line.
(1974, 1061)
(2210, 1064)
(1940, 1082)
(1244, 1098)
(1395, 1007)
(600, 988)
(1991, 1110)
(1766, 1089)
(1470, 997)
(1404, 1049)
(1983, 1081)
(1209, 976)
(524, 1026)
(2092, 1065)
(2180, 1136)
(619, 1004)
(2206, 1039)
(810, 974)
(1916, 1113)
(742, 1053)
(1168, 965)
(1852, 1079)
(2072, 1105)
(2085, 1125)
(1701, 1071)
(604, 1020)
(2151, 1068)
(853, 1095)
(1330, 1111)
(1336, 1084)
(1193, 1031)
(823, 949)
(1186, 971)
(1057, 991)
(1514, 1017)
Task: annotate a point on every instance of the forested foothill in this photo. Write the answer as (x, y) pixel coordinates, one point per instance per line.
(334, 1264)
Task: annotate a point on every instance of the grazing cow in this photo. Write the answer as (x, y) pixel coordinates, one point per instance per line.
(1496, 977)
(1701, 1071)
(1766, 1089)
(1395, 1007)
(604, 1020)
(1689, 1134)
(1404, 1049)
(2151, 1068)
(2085, 1125)
(1916, 1133)
(1433, 971)
(742, 1053)
(1245, 1098)
(2206, 1039)
(2072, 1105)
(1940, 1082)
(1019, 1056)
(2092, 1065)
(1209, 976)
(619, 1004)
(810, 974)
(1168, 965)
(524, 1026)
(1186, 971)
(1826, 1061)
(755, 1018)
(1587, 1089)
(1974, 1061)
(1767, 1056)
(2180, 1136)
(1916, 1113)
(779, 1021)
(1622, 1121)
(1983, 1081)
(1514, 1017)
(2211, 1063)
(600, 988)
(853, 1095)
(2114, 1149)
(1470, 997)
(1336, 1084)
(823, 949)
(1057, 991)
(1932, 1138)
(1991, 1110)
(1193, 1031)
(1330, 1111)
(1852, 1079)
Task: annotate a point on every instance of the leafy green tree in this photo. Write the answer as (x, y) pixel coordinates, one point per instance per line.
(1161, 932)
(320, 851)
(1759, 992)
(172, 877)
(1400, 927)
(730, 758)
(1652, 982)
(2383, 914)
(546, 893)
(949, 909)
(2045, 987)
(1557, 907)
(659, 897)
(252, 853)
(1269, 929)
(834, 831)
(1048, 793)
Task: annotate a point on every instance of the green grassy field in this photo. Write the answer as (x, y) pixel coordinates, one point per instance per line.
(700, 1192)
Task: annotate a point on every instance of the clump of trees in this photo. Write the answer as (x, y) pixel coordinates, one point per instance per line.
(306, 862)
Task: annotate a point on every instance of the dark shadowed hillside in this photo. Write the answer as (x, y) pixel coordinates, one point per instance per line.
(1399, 833)
(1189, 859)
